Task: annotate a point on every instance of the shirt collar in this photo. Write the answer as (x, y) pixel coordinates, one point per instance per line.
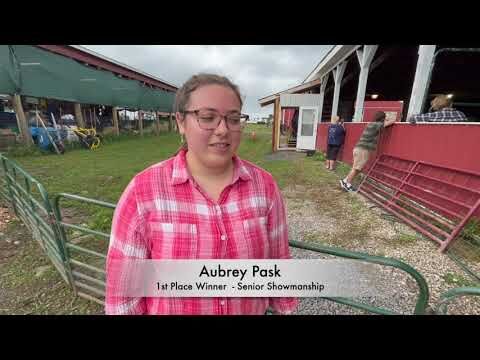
(180, 173)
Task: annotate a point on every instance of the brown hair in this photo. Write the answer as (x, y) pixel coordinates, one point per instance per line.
(183, 94)
(440, 102)
(335, 119)
(379, 116)
(193, 83)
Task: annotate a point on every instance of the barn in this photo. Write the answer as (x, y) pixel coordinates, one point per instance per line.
(427, 174)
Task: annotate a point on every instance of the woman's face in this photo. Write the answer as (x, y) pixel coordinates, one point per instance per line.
(212, 148)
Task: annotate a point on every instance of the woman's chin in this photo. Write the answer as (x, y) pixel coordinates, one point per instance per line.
(218, 159)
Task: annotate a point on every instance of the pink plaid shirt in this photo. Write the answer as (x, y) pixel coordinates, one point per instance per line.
(164, 214)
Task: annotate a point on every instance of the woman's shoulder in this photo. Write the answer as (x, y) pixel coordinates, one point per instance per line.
(162, 169)
(256, 172)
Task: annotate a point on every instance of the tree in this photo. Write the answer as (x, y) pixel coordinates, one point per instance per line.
(270, 119)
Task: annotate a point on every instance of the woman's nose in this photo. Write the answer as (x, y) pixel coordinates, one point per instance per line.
(222, 127)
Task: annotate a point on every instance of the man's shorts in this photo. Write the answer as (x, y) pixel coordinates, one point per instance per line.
(332, 152)
(360, 158)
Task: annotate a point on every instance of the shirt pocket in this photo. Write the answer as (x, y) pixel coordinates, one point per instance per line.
(173, 240)
(254, 243)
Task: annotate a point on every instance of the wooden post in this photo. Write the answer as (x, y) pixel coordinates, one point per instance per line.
(337, 77)
(140, 122)
(323, 86)
(365, 58)
(276, 124)
(91, 121)
(79, 115)
(22, 121)
(84, 112)
(157, 123)
(94, 117)
(170, 123)
(419, 90)
(279, 120)
(48, 134)
(116, 131)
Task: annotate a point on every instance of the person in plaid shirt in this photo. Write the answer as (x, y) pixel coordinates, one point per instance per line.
(442, 112)
(203, 203)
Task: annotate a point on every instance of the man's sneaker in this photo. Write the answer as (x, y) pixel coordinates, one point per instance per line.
(346, 186)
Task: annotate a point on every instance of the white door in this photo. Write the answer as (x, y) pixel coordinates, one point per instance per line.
(307, 128)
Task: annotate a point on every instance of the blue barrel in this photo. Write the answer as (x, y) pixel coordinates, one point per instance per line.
(43, 140)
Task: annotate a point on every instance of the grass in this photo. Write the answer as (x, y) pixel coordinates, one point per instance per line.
(471, 231)
(27, 290)
(458, 280)
(103, 174)
(403, 239)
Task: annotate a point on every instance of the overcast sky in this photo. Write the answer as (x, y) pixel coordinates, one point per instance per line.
(258, 70)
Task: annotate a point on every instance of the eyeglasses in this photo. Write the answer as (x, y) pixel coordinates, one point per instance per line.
(209, 119)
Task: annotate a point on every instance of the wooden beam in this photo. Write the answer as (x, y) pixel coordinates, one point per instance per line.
(157, 123)
(140, 122)
(322, 96)
(380, 60)
(368, 54)
(365, 60)
(360, 56)
(84, 116)
(116, 130)
(337, 77)
(47, 133)
(279, 121)
(419, 89)
(26, 138)
(276, 124)
(92, 122)
(79, 115)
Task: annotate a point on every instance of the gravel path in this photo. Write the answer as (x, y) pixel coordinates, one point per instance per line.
(351, 223)
(358, 227)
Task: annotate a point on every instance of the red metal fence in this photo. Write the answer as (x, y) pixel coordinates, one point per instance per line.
(422, 196)
(435, 166)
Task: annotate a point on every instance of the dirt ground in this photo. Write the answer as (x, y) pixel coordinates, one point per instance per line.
(29, 284)
(332, 217)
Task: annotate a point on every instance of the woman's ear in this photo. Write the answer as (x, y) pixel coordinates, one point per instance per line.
(180, 118)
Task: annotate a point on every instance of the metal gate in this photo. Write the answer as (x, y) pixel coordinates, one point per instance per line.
(436, 201)
(423, 294)
(31, 205)
(83, 267)
(448, 297)
(87, 265)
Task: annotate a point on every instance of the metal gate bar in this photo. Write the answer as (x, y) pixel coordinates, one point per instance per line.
(436, 207)
(50, 232)
(84, 285)
(34, 211)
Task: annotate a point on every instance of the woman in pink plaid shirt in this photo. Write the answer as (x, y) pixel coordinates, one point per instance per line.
(203, 203)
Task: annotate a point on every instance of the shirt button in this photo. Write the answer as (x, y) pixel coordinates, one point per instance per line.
(223, 237)
(222, 302)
